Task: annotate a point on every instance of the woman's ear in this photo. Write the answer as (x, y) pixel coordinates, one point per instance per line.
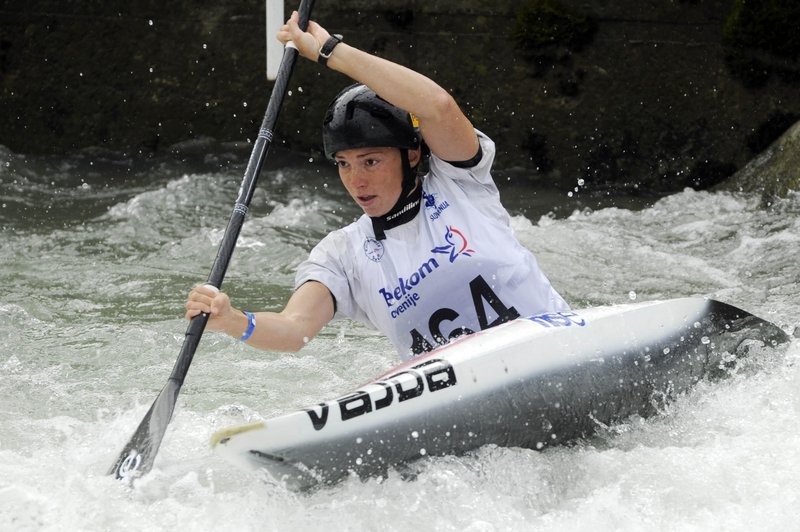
(414, 157)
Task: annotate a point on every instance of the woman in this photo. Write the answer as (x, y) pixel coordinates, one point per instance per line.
(432, 258)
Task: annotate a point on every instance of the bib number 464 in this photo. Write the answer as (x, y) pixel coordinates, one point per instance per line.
(482, 294)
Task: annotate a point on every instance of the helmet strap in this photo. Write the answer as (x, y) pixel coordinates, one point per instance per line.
(407, 205)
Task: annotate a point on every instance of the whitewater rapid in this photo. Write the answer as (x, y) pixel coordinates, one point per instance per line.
(95, 261)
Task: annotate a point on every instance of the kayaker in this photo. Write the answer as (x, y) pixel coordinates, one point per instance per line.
(434, 256)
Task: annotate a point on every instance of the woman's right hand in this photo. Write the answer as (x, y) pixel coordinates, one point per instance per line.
(208, 299)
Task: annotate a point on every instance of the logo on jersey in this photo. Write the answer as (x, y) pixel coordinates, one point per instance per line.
(431, 204)
(405, 295)
(373, 249)
(456, 244)
(405, 292)
(430, 200)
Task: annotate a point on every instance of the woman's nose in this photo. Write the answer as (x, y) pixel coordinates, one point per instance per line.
(358, 177)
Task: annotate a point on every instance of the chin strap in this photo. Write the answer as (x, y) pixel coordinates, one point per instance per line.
(407, 205)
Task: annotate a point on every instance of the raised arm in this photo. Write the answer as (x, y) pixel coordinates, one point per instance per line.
(447, 131)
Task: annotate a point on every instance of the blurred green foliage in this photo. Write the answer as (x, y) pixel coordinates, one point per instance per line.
(762, 40)
(542, 23)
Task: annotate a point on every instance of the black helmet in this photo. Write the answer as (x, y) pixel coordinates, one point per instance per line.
(359, 118)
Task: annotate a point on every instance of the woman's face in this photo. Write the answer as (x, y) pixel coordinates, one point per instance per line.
(373, 177)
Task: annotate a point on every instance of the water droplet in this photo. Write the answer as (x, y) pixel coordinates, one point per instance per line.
(359, 461)
(359, 439)
(632, 295)
(415, 434)
(423, 452)
(150, 22)
(705, 340)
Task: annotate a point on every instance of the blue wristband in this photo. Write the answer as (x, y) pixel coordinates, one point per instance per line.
(251, 326)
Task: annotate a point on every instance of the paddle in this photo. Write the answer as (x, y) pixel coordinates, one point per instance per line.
(139, 454)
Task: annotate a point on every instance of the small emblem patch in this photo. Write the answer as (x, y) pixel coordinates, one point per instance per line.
(373, 249)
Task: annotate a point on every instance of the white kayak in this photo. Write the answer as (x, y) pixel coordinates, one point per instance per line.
(532, 382)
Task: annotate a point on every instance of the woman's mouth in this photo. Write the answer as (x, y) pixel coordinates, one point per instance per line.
(365, 200)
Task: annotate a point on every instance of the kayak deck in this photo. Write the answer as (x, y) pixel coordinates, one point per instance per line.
(533, 382)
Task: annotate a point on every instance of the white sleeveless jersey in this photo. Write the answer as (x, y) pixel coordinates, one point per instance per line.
(456, 268)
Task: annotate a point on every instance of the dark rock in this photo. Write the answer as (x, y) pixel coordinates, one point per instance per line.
(774, 172)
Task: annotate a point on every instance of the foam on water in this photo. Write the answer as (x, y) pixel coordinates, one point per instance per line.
(90, 323)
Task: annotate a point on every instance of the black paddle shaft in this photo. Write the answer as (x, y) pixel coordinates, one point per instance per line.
(138, 455)
(246, 190)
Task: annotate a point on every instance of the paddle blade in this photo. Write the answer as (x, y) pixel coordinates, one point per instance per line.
(138, 456)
